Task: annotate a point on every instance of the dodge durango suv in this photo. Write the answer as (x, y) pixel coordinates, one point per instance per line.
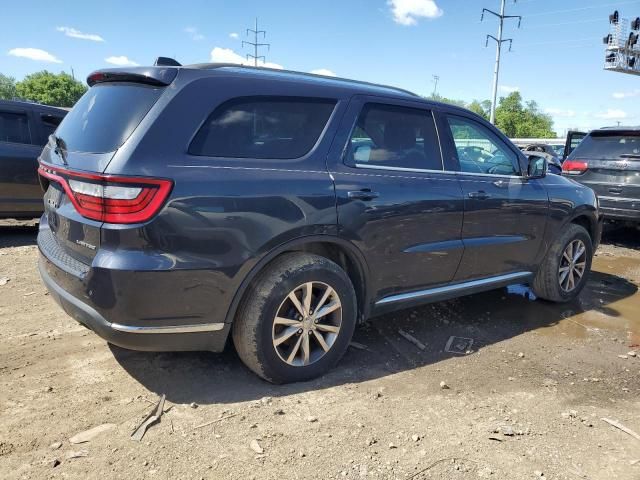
(190, 206)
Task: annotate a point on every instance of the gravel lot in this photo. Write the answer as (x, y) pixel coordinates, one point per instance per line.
(526, 402)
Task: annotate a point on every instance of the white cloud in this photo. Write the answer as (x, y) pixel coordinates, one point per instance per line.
(121, 61)
(612, 114)
(234, 35)
(559, 112)
(324, 71)
(194, 33)
(226, 55)
(508, 88)
(73, 33)
(34, 54)
(407, 12)
(633, 93)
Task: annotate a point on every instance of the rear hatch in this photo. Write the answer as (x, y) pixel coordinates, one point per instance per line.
(73, 161)
(608, 161)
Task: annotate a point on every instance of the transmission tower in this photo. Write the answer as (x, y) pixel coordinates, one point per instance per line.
(499, 41)
(436, 79)
(255, 44)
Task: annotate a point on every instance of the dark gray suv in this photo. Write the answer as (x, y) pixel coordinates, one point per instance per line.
(188, 204)
(608, 161)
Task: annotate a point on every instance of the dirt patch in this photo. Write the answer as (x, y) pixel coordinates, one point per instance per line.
(525, 402)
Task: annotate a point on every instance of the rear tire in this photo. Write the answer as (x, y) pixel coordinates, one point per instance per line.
(276, 332)
(564, 262)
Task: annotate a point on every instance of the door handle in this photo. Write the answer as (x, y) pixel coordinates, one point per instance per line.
(364, 194)
(481, 195)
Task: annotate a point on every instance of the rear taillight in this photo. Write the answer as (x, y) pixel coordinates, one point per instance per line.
(108, 198)
(574, 167)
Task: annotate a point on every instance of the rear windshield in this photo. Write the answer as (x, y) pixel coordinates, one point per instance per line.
(106, 115)
(608, 145)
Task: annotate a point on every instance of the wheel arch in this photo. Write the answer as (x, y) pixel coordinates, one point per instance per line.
(340, 251)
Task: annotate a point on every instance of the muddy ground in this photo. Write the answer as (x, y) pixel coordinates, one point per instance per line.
(525, 403)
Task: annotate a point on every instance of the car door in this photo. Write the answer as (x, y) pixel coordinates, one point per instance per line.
(20, 192)
(505, 213)
(395, 202)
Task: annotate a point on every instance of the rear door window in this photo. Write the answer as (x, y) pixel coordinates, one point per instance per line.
(263, 128)
(14, 128)
(391, 136)
(106, 116)
(49, 123)
(608, 145)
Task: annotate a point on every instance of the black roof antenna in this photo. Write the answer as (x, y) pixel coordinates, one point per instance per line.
(166, 62)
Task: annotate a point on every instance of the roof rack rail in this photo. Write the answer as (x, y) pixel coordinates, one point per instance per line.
(166, 62)
(209, 66)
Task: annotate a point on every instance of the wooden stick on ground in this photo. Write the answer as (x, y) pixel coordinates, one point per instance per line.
(621, 427)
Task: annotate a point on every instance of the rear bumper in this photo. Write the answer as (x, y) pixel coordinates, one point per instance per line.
(73, 293)
(615, 208)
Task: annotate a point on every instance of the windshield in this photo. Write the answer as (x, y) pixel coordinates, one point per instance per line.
(106, 116)
(608, 145)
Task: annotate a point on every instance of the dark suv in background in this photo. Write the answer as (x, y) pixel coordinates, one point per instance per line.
(24, 129)
(608, 161)
(192, 203)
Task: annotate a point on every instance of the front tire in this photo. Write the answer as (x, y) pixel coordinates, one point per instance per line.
(564, 271)
(296, 319)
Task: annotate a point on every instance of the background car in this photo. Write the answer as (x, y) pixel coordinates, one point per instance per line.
(24, 129)
(608, 161)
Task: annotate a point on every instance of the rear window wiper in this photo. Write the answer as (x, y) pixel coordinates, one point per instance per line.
(60, 147)
(630, 155)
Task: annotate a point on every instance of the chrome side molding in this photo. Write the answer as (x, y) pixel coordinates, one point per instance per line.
(454, 288)
(203, 327)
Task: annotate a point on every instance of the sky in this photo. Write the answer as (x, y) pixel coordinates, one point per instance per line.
(557, 55)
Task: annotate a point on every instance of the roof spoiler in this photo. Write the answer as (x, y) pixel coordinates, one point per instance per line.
(157, 76)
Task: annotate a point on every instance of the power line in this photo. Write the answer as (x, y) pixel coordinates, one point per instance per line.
(256, 45)
(578, 9)
(499, 41)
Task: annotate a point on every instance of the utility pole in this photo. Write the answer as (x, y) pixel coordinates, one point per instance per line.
(256, 45)
(499, 41)
(436, 78)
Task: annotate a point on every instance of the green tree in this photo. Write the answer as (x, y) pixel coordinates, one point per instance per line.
(482, 108)
(60, 90)
(7, 88)
(518, 120)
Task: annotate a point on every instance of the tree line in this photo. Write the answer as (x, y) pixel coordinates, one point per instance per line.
(58, 90)
(515, 117)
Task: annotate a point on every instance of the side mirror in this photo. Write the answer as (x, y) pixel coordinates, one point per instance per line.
(537, 167)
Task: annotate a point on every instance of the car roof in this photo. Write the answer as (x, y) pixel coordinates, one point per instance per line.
(28, 104)
(621, 128)
(273, 73)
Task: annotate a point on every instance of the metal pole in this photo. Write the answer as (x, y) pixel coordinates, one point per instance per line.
(435, 86)
(255, 45)
(496, 71)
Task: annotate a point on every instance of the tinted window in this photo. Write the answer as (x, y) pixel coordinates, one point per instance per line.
(49, 123)
(106, 115)
(608, 145)
(266, 127)
(479, 150)
(14, 128)
(392, 136)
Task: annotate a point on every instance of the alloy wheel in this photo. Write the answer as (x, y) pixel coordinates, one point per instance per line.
(572, 265)
(307, 324)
